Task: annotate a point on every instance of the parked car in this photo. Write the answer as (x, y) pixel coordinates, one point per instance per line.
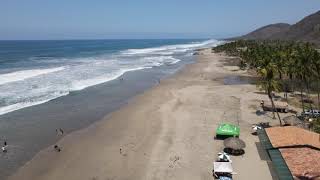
(311, 113)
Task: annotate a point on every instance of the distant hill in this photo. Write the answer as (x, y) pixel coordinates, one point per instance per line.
(266, 32)
(308, 30)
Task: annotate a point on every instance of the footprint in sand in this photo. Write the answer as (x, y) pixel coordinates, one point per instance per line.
(174, 160)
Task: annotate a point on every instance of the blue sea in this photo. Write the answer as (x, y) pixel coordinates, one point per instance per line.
(45, 85)
(35, 72)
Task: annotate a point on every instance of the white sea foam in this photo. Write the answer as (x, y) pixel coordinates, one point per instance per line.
(25, 74)
(170, 49)
(159, 60)
(82, 84)
(175, 61)
(31, 87)
(20, 105)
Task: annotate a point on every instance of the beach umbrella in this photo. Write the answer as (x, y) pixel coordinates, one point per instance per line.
(292, 120)
(256, 127)
(224, 157)
(234, 143)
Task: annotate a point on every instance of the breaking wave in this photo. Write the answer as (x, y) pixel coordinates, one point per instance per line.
(34, 86)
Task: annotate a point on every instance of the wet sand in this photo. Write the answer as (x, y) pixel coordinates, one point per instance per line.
(166, 132)
(32, 129)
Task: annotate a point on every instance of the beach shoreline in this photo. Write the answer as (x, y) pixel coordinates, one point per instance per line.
(167, 132)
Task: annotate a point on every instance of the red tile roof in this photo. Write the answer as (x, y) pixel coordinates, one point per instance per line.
(299, 148)
(302, 162)
(292, 136)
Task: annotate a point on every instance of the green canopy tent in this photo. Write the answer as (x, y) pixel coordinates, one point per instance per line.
(228, 130)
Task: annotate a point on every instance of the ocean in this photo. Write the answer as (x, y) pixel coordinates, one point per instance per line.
(46, 85)
(35, 72)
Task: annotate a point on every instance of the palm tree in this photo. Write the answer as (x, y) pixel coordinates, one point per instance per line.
(289, 66)
(269, 84)
(302, 69)
(316, 70)
(279, 61)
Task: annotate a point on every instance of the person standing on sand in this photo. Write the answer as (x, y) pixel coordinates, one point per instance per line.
(4, 147)
(59, 133)
(57, 148)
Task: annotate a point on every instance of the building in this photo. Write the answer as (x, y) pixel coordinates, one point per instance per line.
(294, 152)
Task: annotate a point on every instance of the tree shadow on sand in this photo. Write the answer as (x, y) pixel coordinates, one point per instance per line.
(260, 92)
(260, 113)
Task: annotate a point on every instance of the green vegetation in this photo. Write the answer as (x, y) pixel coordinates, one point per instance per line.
(281, 66)
(315, 125)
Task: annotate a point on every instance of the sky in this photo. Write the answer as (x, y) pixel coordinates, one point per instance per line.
(123, 19)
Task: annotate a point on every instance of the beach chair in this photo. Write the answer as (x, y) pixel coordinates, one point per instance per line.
(222, 170)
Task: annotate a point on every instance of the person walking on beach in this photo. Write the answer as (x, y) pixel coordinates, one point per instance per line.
(59, 132)
(57, 148)
(4, 147)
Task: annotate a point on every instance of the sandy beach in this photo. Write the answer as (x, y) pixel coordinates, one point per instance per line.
(167, 132)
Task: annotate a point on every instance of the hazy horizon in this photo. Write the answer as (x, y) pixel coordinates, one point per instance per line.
(79, 20)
